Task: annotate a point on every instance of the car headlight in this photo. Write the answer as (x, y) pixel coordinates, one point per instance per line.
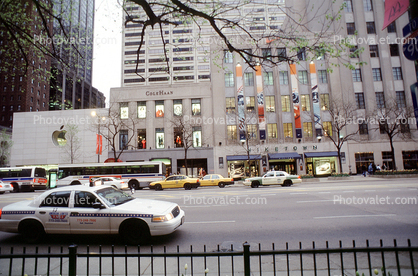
(167, 217)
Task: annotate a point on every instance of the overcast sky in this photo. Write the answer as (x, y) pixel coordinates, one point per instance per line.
(107, 46)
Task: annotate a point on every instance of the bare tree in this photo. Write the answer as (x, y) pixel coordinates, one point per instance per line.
(309, 29)
(117, 128)
(73, 146)
(340, 128)
(392, 119)
(186, 135)
(6, 145)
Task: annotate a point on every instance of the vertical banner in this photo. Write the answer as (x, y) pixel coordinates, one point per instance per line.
(414, 94)
(99, 144)
(240, 99)
(296, 101)
(260, 103)
(315, 100)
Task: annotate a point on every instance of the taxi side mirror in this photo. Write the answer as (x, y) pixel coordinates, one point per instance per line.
(98, 205)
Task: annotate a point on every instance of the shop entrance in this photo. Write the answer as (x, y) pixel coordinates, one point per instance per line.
(287, 165)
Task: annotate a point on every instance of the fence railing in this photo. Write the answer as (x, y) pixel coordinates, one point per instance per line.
(245, 260)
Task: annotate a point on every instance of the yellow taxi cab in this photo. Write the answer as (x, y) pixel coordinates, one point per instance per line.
(216, 180)
(176, 181)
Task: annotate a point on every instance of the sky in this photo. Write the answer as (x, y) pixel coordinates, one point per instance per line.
(107, 46)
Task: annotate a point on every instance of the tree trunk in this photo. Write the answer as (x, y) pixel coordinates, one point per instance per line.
(393, 153)
(185, 159)
(340, 165)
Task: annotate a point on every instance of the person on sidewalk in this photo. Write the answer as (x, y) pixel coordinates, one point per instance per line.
(364, 170)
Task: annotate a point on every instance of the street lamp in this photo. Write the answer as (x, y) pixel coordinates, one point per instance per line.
(99, 140)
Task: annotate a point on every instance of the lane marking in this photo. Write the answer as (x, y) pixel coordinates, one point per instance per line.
(298, 193)
(324, 192)
(313, 201)
(206, 222)
(357, 216)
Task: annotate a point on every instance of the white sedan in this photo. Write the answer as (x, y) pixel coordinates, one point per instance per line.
(91, 210)
(5, 187)
(111, 181)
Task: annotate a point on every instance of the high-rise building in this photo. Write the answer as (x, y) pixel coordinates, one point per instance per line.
(41, 83)
(214, 90)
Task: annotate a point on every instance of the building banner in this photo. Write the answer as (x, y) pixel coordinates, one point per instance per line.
(315, 99)
(99, 144)
(240, 99)
(260, 103)
(296, 101)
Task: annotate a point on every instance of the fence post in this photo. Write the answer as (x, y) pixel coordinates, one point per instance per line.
(247, 270)
(72, 262)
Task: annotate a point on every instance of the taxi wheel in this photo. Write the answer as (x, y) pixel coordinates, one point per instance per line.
(134, 231)
(255, 184)
(221, 185)
(187, 186)
(31, 230)
(287, 183)
(158, 187)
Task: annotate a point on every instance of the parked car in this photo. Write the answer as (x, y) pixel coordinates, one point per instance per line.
(110, 181)
(5, 187)
(78, 209)
(273, 178)
(216, 180)
(176, 181)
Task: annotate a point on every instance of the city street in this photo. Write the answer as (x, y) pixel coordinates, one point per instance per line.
(364, 209)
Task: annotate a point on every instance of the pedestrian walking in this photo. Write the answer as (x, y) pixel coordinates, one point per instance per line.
(364, 170)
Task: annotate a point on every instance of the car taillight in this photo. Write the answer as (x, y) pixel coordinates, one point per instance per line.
(198, 180)
(232, 179)
(0, 213)
(299, 176)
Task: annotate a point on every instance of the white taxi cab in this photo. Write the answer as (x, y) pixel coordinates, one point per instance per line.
(91, 210)
(5, 187)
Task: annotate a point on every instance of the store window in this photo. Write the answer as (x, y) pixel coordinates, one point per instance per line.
(250, 104)
(142, 110)
(288, 130)
(123, 140)
(363, 159)
(195, 107)
(178, 107)
(231, 132)
(178, 137)
(327, 126)
(142, 138)
(252, 131)
(410, 160)
(272, 131)
(286, 103)
(305, 102)
(124, 110)
(159, 138)
(197, 136)
(270, 104)
(307, 129)
(159, 109)
(387, 160)
(324, 99)
(230, 105)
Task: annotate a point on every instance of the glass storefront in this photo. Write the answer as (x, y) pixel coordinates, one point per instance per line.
(239, 166)
(286, 165)
(363, 158)
(410, 160)
(321, 163)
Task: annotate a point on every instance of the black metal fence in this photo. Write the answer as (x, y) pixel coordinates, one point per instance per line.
(246, 260)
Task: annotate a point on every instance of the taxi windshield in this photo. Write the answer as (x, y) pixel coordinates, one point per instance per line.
(113, 196)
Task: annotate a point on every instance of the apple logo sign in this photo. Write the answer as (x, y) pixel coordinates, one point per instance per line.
(58, 137)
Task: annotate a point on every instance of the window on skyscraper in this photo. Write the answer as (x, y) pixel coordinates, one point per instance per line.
(356, 73)
(288, 130)
(250, 104)
(374, 51)
(307, 129)
(302, 54)
(305, 102)
(228, 57)
(270, 104)
(397, 73)
(283, 78)
(322, 76)
(196, 107)
(351, 28)
(363, 129)
(348, 6)
(367, 4)
(286, 103)
(230, 105)
(266, 53)
(249, 79)
(377, 74)
(324, 101)
(394, 50)
(268, 78)
(303, 76)
(360, 100)
(371, 28)
(281, 53)
(229, 80)
(392, 27)
(380, 100)
(400, 99)
(272, 131)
